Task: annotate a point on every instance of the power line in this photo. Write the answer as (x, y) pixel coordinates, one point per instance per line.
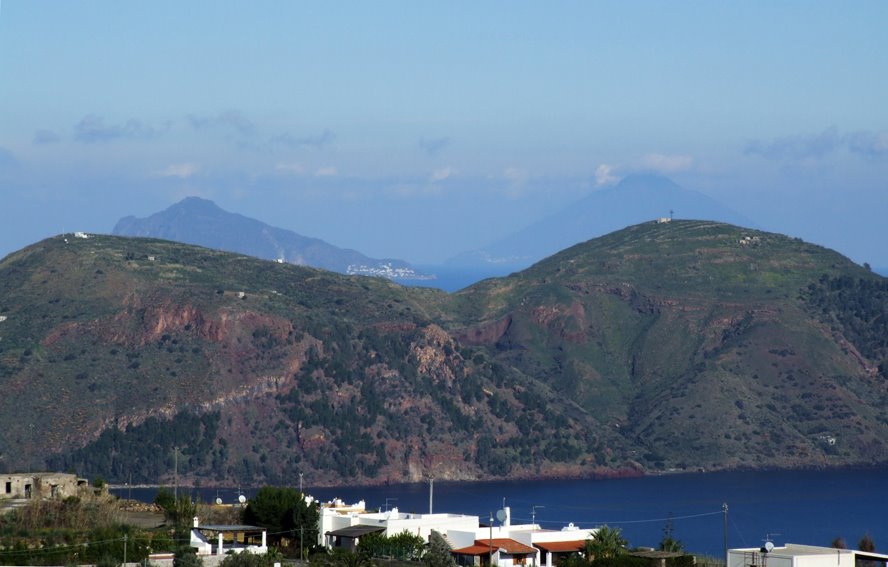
(619, 522)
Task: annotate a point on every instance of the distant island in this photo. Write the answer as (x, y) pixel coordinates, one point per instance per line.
(200, 221)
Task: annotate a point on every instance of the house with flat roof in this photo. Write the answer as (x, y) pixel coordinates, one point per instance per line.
(521, 544)
(342, 525)
(222, 539)
(795, 555)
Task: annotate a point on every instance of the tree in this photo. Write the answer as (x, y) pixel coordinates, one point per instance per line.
(438, 554)
(282, 510)
(607, 543)
(187, 557)
(164, 499)
(249, 560)
(404, 546)
(178, 512)
(866, 543)
(839, 543)
(669, 543)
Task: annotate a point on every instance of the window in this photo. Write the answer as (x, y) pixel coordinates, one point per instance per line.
(8, 487)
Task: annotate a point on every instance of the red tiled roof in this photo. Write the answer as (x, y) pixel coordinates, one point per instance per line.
(560, 546)
(506, 544)
(473, 550)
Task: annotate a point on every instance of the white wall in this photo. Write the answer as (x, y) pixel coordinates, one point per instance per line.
(792, 555)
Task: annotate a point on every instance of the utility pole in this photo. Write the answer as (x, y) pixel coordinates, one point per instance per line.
(533, 513)
(387, 503)
(490, 541)
(124, 550)
(300, 484)
(431, 491)
(176, 472)
(725, 512)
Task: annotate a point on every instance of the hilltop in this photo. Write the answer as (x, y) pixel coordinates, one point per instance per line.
(681, 345)
(635, 199)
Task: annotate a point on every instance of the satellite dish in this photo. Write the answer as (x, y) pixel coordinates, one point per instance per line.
(501, 515)
(241, 498)
(768, 547)
(218, 500)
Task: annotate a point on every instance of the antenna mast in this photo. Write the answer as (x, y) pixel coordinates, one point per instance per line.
(533, 514)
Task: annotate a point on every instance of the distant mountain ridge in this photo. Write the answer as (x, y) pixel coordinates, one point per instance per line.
(200, 221)
(635, 199)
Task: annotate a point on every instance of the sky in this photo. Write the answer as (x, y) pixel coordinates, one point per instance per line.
(419, 130)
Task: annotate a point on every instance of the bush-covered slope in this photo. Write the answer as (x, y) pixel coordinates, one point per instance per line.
(109, 344)
(702, 343)
(682, 345)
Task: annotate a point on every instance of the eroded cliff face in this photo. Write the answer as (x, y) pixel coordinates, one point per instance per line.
(168, 354)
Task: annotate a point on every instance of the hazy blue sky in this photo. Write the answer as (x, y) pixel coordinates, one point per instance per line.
(420, 129)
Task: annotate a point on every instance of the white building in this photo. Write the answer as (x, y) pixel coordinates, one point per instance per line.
(342, 525)
(222, 539)
(337, 518)
(522, 544)
(794, 555)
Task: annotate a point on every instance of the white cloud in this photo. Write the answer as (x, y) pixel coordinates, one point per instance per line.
(663, 163)
(294, 168)
(443, 173)
(326, 172)
(604, 175)
(181, 170)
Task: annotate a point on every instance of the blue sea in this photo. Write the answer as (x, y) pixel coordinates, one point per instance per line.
(808, 507)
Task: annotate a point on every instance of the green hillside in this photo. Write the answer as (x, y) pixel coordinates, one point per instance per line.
(683, 345)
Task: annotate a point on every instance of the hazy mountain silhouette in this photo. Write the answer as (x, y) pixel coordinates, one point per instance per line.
(200, 221)
(635, 199)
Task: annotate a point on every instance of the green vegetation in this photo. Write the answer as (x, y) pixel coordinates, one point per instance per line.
(607, 544)
(402, 547)
(438, 553)
(858, 309)
(669, 543)
(250, 560)
(678, 346)
(285, 513)
(74, 530)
